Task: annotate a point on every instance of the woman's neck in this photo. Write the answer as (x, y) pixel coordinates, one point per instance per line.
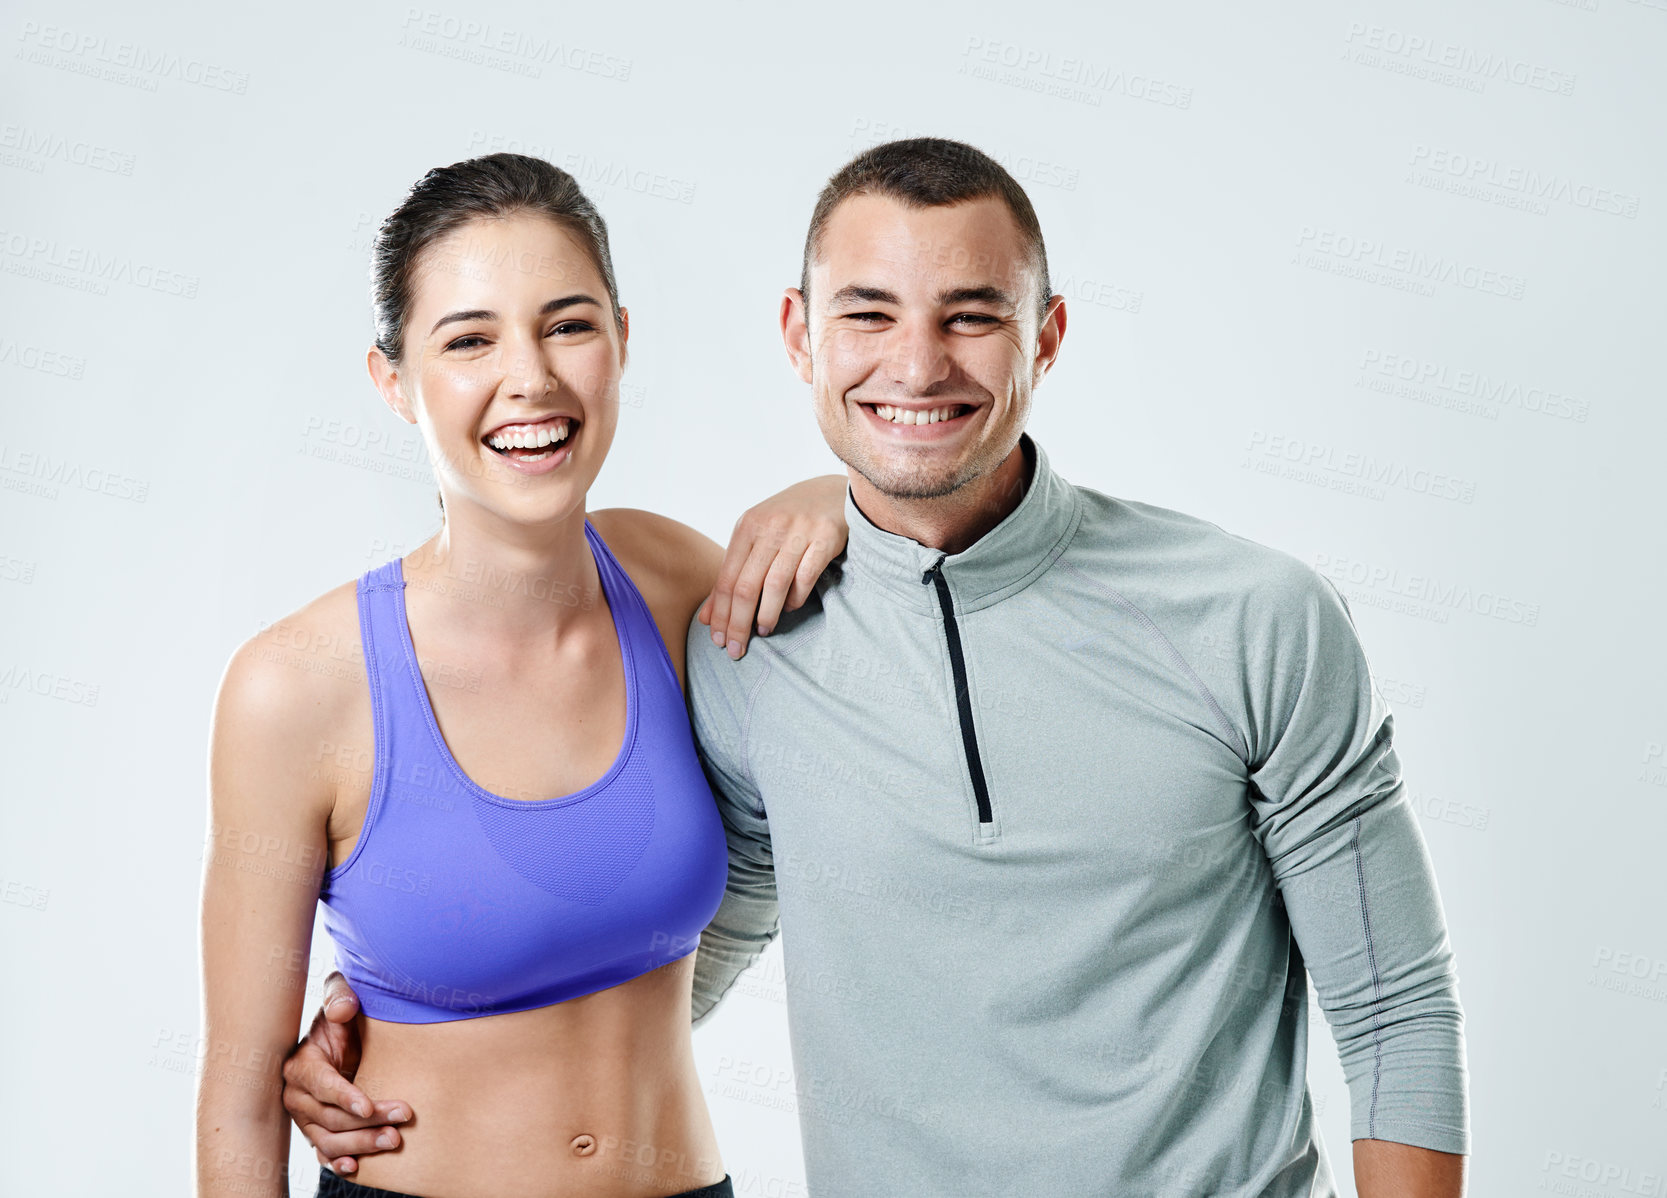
(496, 579)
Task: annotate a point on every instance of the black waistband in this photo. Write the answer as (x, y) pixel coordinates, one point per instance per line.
(331, 1185)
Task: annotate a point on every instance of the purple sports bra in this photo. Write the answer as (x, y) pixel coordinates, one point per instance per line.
(457, 903)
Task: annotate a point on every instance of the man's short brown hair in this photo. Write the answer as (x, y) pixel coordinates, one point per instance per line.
(926, 172)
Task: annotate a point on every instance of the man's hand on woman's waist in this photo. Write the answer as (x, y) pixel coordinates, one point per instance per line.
(339, 1120)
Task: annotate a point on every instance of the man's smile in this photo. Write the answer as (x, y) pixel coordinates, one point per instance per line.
(929, 421)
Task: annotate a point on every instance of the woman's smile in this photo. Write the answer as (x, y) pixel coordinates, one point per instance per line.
(534, 447)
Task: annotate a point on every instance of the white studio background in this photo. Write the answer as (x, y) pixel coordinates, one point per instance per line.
(1292, 237)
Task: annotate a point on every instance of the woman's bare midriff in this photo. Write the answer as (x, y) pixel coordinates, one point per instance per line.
(596, 1096)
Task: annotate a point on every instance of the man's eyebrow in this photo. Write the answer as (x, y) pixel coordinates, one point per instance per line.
(555, 305)
(976, 295)
(856, 294)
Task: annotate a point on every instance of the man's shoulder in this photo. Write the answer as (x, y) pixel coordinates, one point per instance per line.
(711, 672)
(1151, 546)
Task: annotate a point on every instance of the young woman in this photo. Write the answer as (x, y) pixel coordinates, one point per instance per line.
(497, 799)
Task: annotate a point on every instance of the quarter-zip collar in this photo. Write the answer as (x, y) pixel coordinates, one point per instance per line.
(1002, 562)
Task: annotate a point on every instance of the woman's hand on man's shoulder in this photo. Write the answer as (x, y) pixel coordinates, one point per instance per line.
(776, 552)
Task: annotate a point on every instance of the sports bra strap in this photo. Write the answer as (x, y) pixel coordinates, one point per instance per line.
(382, 641)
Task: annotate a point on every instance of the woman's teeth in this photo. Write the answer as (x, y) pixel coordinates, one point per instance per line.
(911, 416)
(529, 436)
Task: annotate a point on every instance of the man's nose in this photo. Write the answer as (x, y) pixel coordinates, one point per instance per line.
(916, 357)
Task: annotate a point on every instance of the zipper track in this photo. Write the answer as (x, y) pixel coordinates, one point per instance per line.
(963, 693)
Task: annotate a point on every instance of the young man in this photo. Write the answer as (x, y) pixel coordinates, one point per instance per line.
(1059, 799)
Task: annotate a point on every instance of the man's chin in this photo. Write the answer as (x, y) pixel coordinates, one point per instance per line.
(897, 472)
(897, 481)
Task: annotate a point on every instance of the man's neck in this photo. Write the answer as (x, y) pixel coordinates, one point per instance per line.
(953, 522)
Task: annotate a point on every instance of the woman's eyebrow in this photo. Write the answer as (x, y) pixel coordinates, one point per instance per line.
(555, 305)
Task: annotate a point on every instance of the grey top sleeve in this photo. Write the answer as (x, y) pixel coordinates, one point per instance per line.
(747, 920)
(1330, 810)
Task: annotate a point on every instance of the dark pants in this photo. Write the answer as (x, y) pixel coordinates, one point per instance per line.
(332, 1186)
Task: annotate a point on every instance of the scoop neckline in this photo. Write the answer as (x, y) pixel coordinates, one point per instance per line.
(627, 662)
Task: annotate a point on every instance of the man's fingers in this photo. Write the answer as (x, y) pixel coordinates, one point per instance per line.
(392, 1111)
(340, 1003)
(309, 1112)
(344, 1166)
(783, 569)
(364, 1142)
(308, 1071)
(340, 1045)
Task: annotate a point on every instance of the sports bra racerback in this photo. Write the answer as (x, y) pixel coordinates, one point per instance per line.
(457, 903)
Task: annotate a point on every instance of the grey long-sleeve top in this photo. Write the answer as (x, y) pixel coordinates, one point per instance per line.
(1056, 833)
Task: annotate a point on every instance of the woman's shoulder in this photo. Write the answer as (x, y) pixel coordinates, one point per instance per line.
(298, 674)
(672, 565)
(662, 555)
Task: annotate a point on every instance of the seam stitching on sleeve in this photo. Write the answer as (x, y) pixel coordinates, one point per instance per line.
(1175, 657)
(1377, 984)
(793, 646)
(746, 735)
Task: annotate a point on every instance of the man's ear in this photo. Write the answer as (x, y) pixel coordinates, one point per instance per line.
(1048, 338)
(386, 377)
(795, 331)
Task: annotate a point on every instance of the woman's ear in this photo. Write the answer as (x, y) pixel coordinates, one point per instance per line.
(386, 377)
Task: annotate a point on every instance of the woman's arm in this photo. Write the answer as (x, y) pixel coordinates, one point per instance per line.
(264, 858)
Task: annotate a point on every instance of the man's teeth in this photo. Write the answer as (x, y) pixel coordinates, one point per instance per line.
(910, 416)
(530, 438)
